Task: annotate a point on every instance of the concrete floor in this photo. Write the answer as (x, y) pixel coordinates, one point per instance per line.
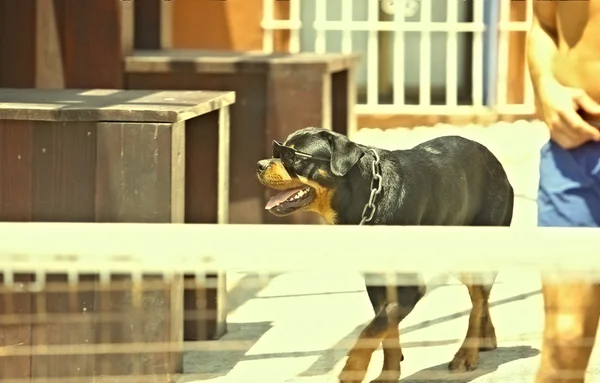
(297, 326)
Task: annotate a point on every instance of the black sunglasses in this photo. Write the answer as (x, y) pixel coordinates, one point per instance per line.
(289, 156)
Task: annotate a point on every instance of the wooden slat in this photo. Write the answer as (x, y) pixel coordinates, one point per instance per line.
(17, 43)
(15, 335)
(108, 105)
(91, 42)
(15, 170)
(134, 169)
(63, 172)
(381, 121)
(210, 61)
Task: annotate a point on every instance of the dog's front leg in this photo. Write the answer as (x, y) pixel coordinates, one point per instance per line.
(392, 353)
(360, 354)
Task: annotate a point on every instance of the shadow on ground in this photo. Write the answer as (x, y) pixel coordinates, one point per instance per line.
(489, 362)
(331, 357)
(240, 337)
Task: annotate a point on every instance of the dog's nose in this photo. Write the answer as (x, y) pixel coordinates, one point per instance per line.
(261, 166)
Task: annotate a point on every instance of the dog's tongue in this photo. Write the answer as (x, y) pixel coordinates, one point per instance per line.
(280, 197)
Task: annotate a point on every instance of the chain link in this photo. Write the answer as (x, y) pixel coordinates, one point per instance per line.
(376, 185)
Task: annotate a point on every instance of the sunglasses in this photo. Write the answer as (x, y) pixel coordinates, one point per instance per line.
(289, 156)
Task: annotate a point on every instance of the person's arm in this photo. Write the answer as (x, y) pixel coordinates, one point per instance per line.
(542, 44)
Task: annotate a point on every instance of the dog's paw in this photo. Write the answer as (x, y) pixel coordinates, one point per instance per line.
(464, 360)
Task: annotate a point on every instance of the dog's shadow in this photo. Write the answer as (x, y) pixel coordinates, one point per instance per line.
(489, 362)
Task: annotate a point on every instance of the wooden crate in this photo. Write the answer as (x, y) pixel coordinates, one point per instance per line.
(113, 156)
(276, 95)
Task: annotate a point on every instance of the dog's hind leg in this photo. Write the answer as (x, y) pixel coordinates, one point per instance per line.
(480, 332)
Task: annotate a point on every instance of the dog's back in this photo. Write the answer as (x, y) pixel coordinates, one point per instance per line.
(457, 181)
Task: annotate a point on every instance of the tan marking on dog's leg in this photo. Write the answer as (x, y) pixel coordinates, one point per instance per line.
(488, 340)
(468, 354)
(571, 322)
(392, 356)
(359, 356)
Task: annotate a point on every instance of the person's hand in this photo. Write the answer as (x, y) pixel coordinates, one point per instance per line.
(562, 108)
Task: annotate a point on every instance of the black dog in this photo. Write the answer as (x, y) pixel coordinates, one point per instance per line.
(444, 181)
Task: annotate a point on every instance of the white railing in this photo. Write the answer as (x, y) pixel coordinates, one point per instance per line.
(407, 17)
(74, 248)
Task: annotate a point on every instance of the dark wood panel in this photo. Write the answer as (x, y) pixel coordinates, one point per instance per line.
(343, 99)
(201, 197)
(134, 172)
(147, 314)
(247, 131)
(63, 317)
(17, 43)
(15, 332)
(91, 42)
(63, 172)
(201, 170)
(15, 170)
(285, 90)
(147, 23)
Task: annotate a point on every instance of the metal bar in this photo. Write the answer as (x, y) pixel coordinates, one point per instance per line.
(399, 55)
(503, 63)
(321, 25)
(477, 80)
(425, 55)
(452, 55)
(293, 22)
(373, 54)
(412, 26)
(267, 20)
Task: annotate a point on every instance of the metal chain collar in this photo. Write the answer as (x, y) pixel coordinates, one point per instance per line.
(376, 185)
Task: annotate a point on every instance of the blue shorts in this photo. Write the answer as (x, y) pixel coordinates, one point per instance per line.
(569, 188)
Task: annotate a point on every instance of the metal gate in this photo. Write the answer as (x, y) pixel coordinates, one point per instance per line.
(418, 56)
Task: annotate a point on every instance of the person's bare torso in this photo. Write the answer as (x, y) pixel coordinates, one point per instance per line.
(577, 63)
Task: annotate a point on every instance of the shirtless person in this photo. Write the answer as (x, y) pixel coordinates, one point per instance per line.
(563, 53)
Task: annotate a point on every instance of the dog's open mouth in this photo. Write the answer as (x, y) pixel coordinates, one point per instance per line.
(290, 200)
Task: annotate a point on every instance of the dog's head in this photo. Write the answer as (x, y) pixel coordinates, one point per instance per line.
(307, 169)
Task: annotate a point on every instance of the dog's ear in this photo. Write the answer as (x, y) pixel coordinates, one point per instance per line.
(344, 154)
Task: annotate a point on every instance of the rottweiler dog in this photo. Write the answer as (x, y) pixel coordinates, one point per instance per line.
(449, 180)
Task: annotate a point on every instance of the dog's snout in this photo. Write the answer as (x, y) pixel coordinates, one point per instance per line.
(261, 166)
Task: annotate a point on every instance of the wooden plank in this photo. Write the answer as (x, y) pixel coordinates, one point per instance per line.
(91, 41)
(311, 86)
(343, 101)
(17, 43)
(385, 121)
(147, 21)
(15, 170)
(15, 333)
(152, 312)
(108, 105)
(133, 172)
(61, 318)
(516, 56)
(246, 131)
(63, 188)
(210, 61)
(201, 206)
(63, 172)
